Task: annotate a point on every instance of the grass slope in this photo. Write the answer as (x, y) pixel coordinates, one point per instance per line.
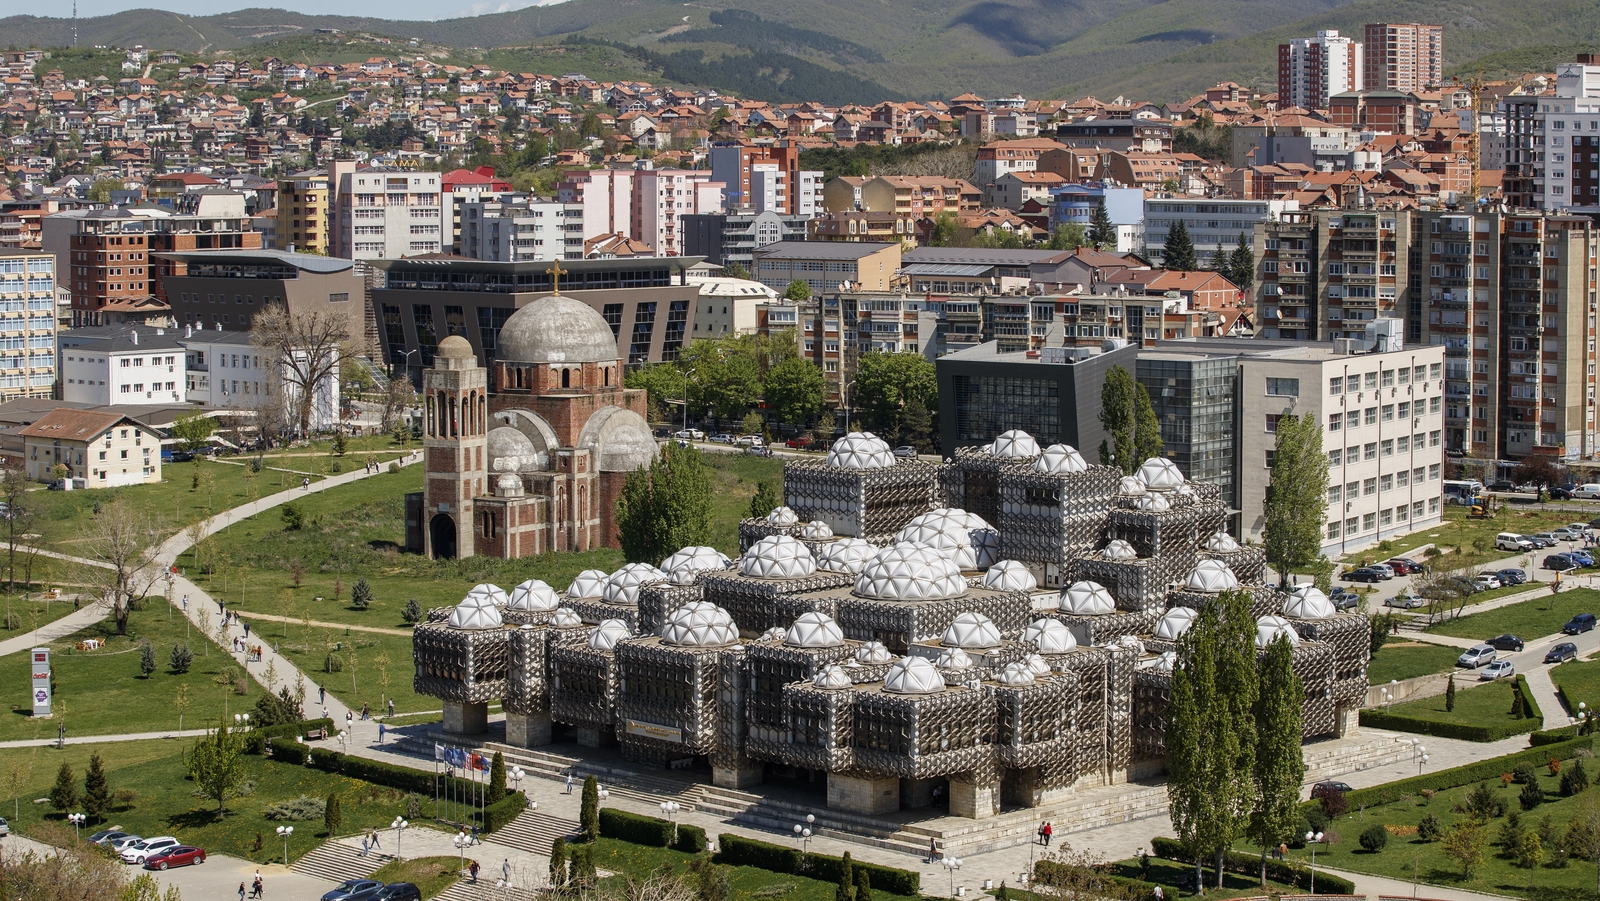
(1542, 614)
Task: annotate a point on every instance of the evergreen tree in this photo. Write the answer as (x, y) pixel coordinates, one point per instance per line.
(96, 791)
(1519, 710)
(764, 501)
(1219, 261)
(411, 612)
(1280, 765)
(558, 862)
(64, 794)
(666, 507)
(916, 425)
(216, 764)
(147, 659)
(332, 815)
(582, 871)
(864, 886)
(1242, 264)
(589, 813)
(1450, 694)
(847, 880)
(1130, 420)
(1297, 496)
(497, 779)
(1179, 255)
(361, 595)
(1102, 234)
(1147, 441)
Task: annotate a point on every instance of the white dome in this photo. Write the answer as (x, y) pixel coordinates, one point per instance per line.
(1166, 662)
(860, 450)
(1016, 675)
(972, 542)
(1152, 502)
(700, 625)
(913, 676)
(973, 631)
(1060, 459)
(778, 557)
(831, 677)
(1174, 623)
(623, 585)
(683, 576)
(953, 659)
(493, 593)
(1221, 542)
(557, 329)
(911, 572)
(1212, 576)
(533, 596)
(1037, 664)
(776, 633)
(565, 618)
(1117, 549)
(1308, 602)
(1087, 599)
(847, 555)
(1132, 643)
(873, 652)
(1050, 636)
(1016, 445)
(814, 630)
(477, 610)
(1160, 474)
(589, 584)
(1009, 575)
(1130, 486)
(1184, 490)
(696, 559)
(606, 635)
(1268, 628)
(782, 516)
(816, 530)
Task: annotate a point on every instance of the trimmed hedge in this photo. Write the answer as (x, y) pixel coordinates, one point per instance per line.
(503, 811)
(1044, 873)
(421, 782)
(255, 741)
(1378, 719)
(740, 851)
(636, 828)
(691, 839)
(1478, 771)
(1250, 865)
(1528, 703)
(1552, 736)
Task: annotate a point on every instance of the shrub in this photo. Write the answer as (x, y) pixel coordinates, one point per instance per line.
(635, 828)
(1574, 780)
(1429, 829)
(301, 809)
(147, 659)
(504, 811)
(589, 811)
(294, 517)
(558, 862)
(1334, 805)
(332, 663)
(361, 595)
(1530, 851)
(1482, 803)
(691, 839)
(740, 851)
(1388, 793)
(180, 659)
(1530, 707)
(1250, 865)
(1374, 838)
(1379, 719)
(1524, 773)
(1531, 796)
(411, 612)
(394, 466)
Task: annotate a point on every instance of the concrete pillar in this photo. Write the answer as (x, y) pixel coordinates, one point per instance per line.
(527, 730)
(974, 800)
(868, 795)
(916, 793)
(592, 737)
(466, 719)
(1346, 721)
(747, 774)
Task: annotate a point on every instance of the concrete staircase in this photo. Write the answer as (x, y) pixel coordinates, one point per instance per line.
(534, 832)
(482, 890)
(337, 862)
(650, 787)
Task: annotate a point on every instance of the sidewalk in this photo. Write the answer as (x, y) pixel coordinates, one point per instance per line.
(81, 618)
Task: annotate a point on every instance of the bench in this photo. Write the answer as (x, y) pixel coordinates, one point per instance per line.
(317, 735)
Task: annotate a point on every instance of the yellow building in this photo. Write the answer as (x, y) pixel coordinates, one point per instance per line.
(303, 212)
(102, 450)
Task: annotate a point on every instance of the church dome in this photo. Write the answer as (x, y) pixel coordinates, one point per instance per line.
(455, 347)
(556, 329)
(507, 445)
(860, 450)
(913, 676)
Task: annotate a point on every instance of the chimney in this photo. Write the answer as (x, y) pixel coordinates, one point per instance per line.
(219, 326)
(188, 331)
(134, 334)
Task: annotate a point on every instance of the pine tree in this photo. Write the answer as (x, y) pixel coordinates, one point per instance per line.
(1450, 694)
(411, 612)
(1179, 253)
(1297, 496)
(666, 507)
(1102, 234)
(332, 815)
(96, 791)
(1147, 428)
(497, 779)
(558, 862)
(589, 813)
(764, 501)
(864, 886)
(361, 595)
(1518, 711)
(1219, 261)
(64, 794)
(1280, 765)
(847, 880)
(1242, 264)
(147, 659)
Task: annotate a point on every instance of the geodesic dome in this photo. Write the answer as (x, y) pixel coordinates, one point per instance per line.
(913, 676)
(683, 576)
(953, 659)
(814, 630)
(696, 559)
(782, 516)
(1037, 664)
(973, 631)
(1184, 490)
(1016, 675)
(1221, 543)
(1308, 602)
(702, 625)
(1015, 445)
(1087, 599)
(1166, 662)
(847, 555)
(776, 633)
(816, 530)
(493, 593)
(911, 572)
(565, 618)
(1212, 576)
(1051, 636)
(477, 610)
(606, 635)
(778, 557)
(1117, 549)
(831, 678)
(1009, 575)
(1130, 486)
(1152, 502)
(1160, 474)
(1131, 642)
(860, 450)
(1060, 460)
(622, 587)
(873, 652)
(589, 584)
(533, 596)
(972, 541)
(1175, 622)
(1268, 628)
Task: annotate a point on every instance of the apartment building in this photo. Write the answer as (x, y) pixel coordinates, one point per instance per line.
(999, 157)
(303, 212)
(1310, 70)
(1553, 142)
(1405, 57)
(1324, 275)
(520, 228)
(122, 366)
(209, 219)
(99, 449)
(1145, 135)
(383, 214)
(1076, 205)
(1213, 223)
(27, 324)
(104, 256)
(646, 205)
(765, 176)
(828, 265)
(463, 186)
(724, 238)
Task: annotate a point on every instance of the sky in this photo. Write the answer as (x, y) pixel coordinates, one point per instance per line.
(386, 9)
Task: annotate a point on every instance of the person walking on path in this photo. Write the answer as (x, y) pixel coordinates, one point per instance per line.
(365, 712)
(569, 782)
(322, 697)
(474, 869)
(1048, 832)
(246, 628)
(375, 844)
(380, 733)
(391, 706)
(366, 846)
(933, 849)
(305, 483)
(505, 871)
(475, 839)
(241, 891)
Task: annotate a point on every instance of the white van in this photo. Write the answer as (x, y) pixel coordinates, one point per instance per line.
(1511, 541)
(1591, 491)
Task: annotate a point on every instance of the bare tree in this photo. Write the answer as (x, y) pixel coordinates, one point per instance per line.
(122, 543)
(18, 518)
(306, 351)
(397, 398)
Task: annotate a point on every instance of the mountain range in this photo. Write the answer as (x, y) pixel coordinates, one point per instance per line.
(867, 50)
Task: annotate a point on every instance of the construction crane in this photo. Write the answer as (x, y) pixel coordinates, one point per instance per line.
(1474, 86)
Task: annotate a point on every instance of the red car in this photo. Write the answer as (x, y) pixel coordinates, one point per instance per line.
(1404, 567)
(181, 856)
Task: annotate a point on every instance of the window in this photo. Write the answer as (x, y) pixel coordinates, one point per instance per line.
(1433, 438)
(1372, 415)
(1402, 478)
(1433, 472)
(1369, 522)
(1335, 494)
(1388, 378)
(1335, 386)
(1388, 447)
(1272, 421)
(1435, 404)
(1403, 409)
(1335, 457)
(1333, 530)
(1386, 482)
(1372, 381)
(1352, 490)
(1350, 525)
(1433, 505)
(1388, 412)
(1283, 387)
(1269, 455)
(1335, 421)
(1388, 517)
(1369, 487)
(1371, 450)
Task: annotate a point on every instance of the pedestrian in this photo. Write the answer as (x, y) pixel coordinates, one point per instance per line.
(185, 603)
(305, 483)
(933, 849)
(1157, 893)
(246, 629)
(241, 891)
(364, 712)
(475, 839)
(380, 733)
(391, 706)
(375, 840)
(221, 606)
(366, 846)
(474, 869)
(505, 871)
(938, 796)
(258, 886)
(322, 697)
(1048, 832)
(324, 713)
(569, 782)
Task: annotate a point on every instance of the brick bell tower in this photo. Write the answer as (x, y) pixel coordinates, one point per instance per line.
(455, 439)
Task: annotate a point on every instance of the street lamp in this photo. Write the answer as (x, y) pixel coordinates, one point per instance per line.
(461, 841)
(686, 373)
(344, 738)
(516, 775)
(77, 821)
(1311, 839)
(604, 794)
(284, 832)
(669, 809)
(241, 721)
(398, 825)
(844, 395)
(952, 864)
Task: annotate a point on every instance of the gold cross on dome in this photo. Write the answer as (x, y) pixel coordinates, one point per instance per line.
(555, 272)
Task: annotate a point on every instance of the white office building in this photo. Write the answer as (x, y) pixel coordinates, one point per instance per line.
(385, 214)
(521, 228)
(27, 324)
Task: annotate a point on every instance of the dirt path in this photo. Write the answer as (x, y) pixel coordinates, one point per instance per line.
(321, 624)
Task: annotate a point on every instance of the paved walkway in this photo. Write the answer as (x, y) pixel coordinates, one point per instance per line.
(102, 739)
(268, 617)
(77, 620)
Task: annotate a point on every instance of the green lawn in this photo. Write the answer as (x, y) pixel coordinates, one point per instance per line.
(1484, 705)
(166, 805)
(431, 875)
(1405, 855)
(1578, 681)
(749, 883)
(1171, 873)
(1401, 660)
(1458, 531)
(1542, 614)
(361, 656)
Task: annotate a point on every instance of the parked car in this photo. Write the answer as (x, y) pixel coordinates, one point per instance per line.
(1487, 582)
(1511, 541)
(722, 438)
(1344, 599)
(750, 441)
(758, 451)
(1476, 656)
(1588, 491)
(1500, 669)
(1512, 576)
(181, 856)
(1581, 557)
(353, 890)
(1560, 494)
(106, 836)
(398, 891)
(1561, 653)
(1540, 540)
(1364, 574)
(1551, 538)
(119, 844)
(1582, 528)
(1560, 563)
(905, 450)
(1583, 622)
(5, 827)
(1404, 566)
(798, 443)
(691, 434)
(1323, 789)
(1506, 642)
(1566, 533)
(1502, 485)
(1384, 570)
(1405, 601)
(139, 851)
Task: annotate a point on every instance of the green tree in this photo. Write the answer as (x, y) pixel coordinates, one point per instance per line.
(1297, 496)
(192, 432)
(665, 507)
(752, 424)
(946, 230)
(1529, 851)
(147, 659)
(1280, 765)
(1179, 255)
(180, 659)
(726, 376)
(864, 886)
(361, 594)
(764, 501)
(558, 862)
(711, 882)
(1450, 694)
(1067, 236)
(798, 290)
(589, 810)
(216, 764)
(100, 190)
(917, 426)
(497, 779)
(1130, 420)
(332, 815)
(1531, 795)
(1242, 264)
(1466, 843)
(64, 794)
(294, 517)
(96, 791)
(793, 389)
(886, 383)
(846, 889)
(411, 612)
(735, 269)
(663, 384)
(1102, 234)
(1219, 261)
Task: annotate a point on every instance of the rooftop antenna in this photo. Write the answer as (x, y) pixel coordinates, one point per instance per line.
(74, 23)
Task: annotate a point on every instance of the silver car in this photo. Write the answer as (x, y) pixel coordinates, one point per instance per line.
(1476, 656)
